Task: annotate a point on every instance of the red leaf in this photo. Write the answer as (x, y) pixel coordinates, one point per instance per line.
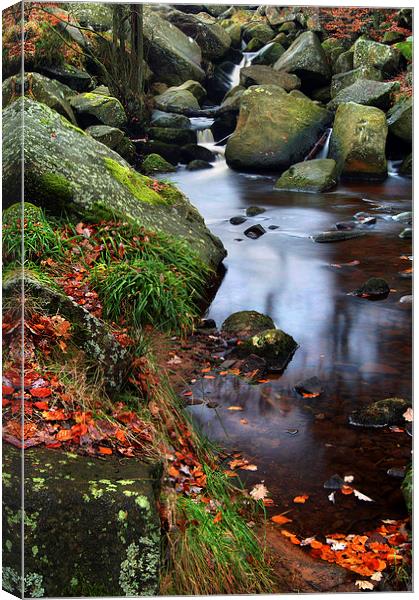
(41, 392)
(104, 450)
(41, 405)
(7, 390)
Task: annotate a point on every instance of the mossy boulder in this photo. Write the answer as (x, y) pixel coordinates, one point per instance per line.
(399, 119)
(373, 288)
(366, 92)
(96, 15)
(160, 118)
(91, 527)
(234, 30)
(194, 87)
(344, 80)
(42, 89)
(76, 79)
(264, 75)
(381, 413)
(172, 135)
(154, 163)
(94, 109)
(170, 53)
(407, 489)
(174, 99)
(319, 175)
(114, 138)
(275, 130)
(246, 323)
(68, 169)
(368, 53)
(269, 54)
(259, 31)
(273, 345)
(344, 62)
(358, 141)
(198, 165)
(306, 59)
(89, 334)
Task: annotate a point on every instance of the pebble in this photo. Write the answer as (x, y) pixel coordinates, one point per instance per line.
(252, 211)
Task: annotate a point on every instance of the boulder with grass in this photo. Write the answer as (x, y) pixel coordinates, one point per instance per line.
(318, 175)
(358, 141)
(82, 176)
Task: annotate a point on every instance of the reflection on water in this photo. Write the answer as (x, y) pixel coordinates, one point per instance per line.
(360, 350)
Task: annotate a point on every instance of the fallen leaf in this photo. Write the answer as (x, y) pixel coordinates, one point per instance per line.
(249, 467)
(105, 450)
(7, 390)
(377, 576)
(41, 392)
(280, 519)
(64, 435)
(346, 490)
(218, 517)
(235, 408)
(41, 405)
(364, 585)
(301, 499)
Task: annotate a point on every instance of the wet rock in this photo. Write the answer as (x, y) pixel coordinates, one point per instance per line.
(370, 53)
(207, 324)
(237, 220)
(274, 345)
(268, 116)
(334, 483)
(318, 175)
(254, 232)
(404, 217)
(197, 165)
(265, 75)
(169, 152)
(340, 81)
(219, 83)
(269, 54)
(336, 236)
(190, 152)
(345, 225)
(406, 234)
(399, 119)
(175, 99)
(94, 109)
(160, 118)
(358, 142)
(406, 166)
(407, 489)
(76, 79)
(367, 93)
(246, 323)
(374, 288)
(364, 218)
(273, 227)
(307, 59)
(311, 386)
(406, 300)
(154, 163)
(252, 211)
(252, 363)
(381, 413)
(232, 99)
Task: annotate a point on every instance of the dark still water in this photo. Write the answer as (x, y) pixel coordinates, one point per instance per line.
(360, 350)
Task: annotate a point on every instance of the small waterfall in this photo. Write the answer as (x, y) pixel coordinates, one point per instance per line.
(324, 151)
(205, 136)
(245, 62)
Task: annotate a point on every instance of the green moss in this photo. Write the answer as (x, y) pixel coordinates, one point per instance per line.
(137, 184)
(154, 163)
(69, 125)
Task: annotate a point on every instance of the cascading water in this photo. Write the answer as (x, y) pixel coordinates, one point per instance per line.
(325, 150)
(205, 136)
(245, 62)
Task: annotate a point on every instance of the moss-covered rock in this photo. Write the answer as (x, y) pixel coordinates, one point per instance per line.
(366, 92)
(407, 489)
(160, 118)
(373, 288)
(174, 99)
(344, 62)
(91, 526)
(269, 54)
(154, 163)
(306, 59)
(246, 323)
(172, 135)
(115, 139)
(92, 177)
(194, 87)
(259, 31)
(343, 80)
(406, 166)
(381, 413)
(97, 15)
(234, 30)
(90, 334)
(93, 109)
(48, 91)
(368, 53)
(264, 75)
(197, 165)
(358, 141)
(77, 79)
(273, 345)
(399, 119)
(319, 175)
(275, 130)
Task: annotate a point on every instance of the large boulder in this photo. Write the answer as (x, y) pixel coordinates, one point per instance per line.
(263, 75)
(306, 59)
(48, 91)
(91, 527)
(358, 141)
(160, 118)
(269, 54)
(175, 99)
(154, 163)
(213, 39)
(368, 53)
(170, 53)
(68, 169)
(319, 175)
(366, 92)
(95, 109)
(399, 119)
(77, 79)
(274, 130)
(246, 323)
(341, 81)
(172, 135)
(95, 15)
(259, 31)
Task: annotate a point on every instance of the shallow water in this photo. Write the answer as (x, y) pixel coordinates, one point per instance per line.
(361, 350)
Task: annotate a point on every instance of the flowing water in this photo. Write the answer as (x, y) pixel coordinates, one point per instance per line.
(360, 350)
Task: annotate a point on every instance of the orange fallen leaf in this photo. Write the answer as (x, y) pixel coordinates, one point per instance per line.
(268, 502)
(209, 376)
(280, 519)
(206, 370)
(41, 405)
(346, 490)
(263, 380)
(315, 544)
(301, 499)
(235, 408)
(244, 421)
(41, 392)
(105, 450)
(173, 472)
(64, 435)
(218, 517)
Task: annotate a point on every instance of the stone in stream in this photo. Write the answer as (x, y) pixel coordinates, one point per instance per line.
(345, 225)
(336, 236)
(252, 211)
(318, 175)
(269, 54)
(404, 217)
(160, 118)
(406, 234)
(335, 482)
(246, 323)
(268, 116)
(307, 59)
(358, 142)
(381, 413)
(172, 135)
(154, 163)
(190, 152)
(92, 526)
(254, 232)
(174, 99)
(273, 227)
(274, 345)
(310, 387)
(364, 218)
(250, 364)
(406, 166)
(264, 75)
(197, 165)
(237, 220)
(399, 119)
(406, 300)
(374, 288)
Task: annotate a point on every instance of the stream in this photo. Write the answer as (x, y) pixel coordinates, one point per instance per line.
(359, 349)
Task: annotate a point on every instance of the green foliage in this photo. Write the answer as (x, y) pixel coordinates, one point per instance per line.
(217, 556)
(40, 239)
(406, 48)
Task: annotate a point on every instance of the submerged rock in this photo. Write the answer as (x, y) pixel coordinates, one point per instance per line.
(274, 345)
(310, 387)
(336, 236)
(91, 526)
(238, 220)
(318, 175)
(252, 211)
(246, 323)
(254, 232)
(374, 288)
(358, 141)
(381, 413)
